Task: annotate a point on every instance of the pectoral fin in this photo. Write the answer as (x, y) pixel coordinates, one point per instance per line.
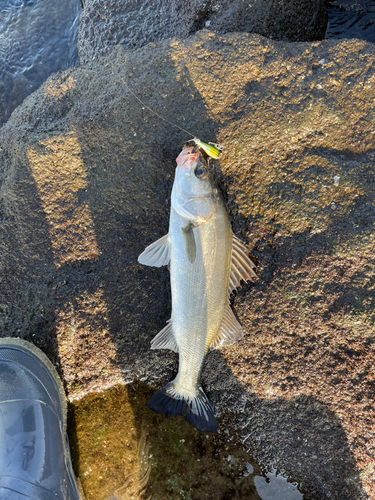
(158, 253)
(242, 267)
(189, 240)
(230, 330)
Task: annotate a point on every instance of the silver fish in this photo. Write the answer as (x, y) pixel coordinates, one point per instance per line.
(206, 263)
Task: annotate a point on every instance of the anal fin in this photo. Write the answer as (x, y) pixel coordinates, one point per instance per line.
(230, 330)
(165, 339)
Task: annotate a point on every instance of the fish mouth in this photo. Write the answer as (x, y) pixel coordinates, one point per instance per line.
(189, 152)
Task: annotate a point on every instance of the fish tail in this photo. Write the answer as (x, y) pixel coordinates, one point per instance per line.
(198, 411)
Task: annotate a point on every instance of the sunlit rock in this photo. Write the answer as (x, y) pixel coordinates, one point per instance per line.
(86, 173)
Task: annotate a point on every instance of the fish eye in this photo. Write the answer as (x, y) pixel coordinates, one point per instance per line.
(201, 172)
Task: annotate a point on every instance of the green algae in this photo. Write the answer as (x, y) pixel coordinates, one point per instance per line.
(121, 448)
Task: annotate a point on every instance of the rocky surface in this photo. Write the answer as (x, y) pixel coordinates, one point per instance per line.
(134, 23)
(86, 174)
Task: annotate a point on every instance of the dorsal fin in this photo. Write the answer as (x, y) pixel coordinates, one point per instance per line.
(242, 266)
(165, 338)
(230, 330)
(158, 253)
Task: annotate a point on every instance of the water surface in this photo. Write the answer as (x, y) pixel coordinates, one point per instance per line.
(351, 19)
(37, 38)
(122, 450)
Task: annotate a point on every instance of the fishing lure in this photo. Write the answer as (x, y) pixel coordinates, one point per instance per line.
(212, 150)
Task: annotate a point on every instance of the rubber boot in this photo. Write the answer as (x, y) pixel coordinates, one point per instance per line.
(34, 452)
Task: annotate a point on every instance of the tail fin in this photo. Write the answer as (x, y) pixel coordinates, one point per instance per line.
(197, 411)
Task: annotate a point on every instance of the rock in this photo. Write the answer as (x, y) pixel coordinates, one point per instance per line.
(133, 24)
(86, 174)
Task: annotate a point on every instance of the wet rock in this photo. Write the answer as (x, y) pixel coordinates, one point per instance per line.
(86, 174)
(104, 24)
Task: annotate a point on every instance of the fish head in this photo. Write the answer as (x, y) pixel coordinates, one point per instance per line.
(194, 194)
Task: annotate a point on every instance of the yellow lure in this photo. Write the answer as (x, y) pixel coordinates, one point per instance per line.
(209, 149)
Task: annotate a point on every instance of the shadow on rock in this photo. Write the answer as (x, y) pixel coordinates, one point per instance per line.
(93, 193)
(299, 437)
(26, 269)
(128, 200)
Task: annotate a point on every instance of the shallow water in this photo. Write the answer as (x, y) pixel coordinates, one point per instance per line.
(122, 450)
(37, 38)
(351, 19)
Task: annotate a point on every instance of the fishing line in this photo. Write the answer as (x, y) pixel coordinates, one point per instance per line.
(213, 150)
(147, 107)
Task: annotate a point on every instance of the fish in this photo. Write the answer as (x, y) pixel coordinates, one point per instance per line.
(206, 263)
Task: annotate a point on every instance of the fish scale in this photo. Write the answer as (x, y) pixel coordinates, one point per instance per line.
(207, 306)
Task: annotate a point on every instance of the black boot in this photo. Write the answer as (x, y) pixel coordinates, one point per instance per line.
(34, 453)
